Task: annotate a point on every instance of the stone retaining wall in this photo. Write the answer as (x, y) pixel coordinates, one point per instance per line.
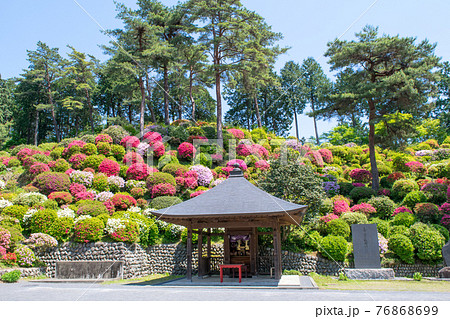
(25, 272)
(171, 258)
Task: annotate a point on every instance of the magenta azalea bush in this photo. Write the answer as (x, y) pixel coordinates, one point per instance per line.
(240, 162)
(360, 175)
(326, 155)
(401, 209)
(165, 189)
(364, 208)
(328, 218)
(262, 165)
(103, 138)
(129, 142)
(109, 167)
(77, 160)
(186, 150)
(237, 133)
(140, 171)
(152, 137)
(340, 206)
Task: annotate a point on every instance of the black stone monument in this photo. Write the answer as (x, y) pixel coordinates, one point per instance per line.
(445, 272)
(365, 246)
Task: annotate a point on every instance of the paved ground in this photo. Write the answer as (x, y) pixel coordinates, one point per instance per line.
(133, 292)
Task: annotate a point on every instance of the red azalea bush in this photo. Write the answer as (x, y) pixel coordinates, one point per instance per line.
(360, 175)
(197, 193)
(76, 188)
(122, 201)
(395, 176)
(445, 208)
(315, 158)
(10, 259)
(160, 178)
(262, 165)
(129, 141)
(165, 189)
(89, 229)
(328, 218)
(186, 150)
(109, 167)
(237, 133)
(103, 138)
(132, 158)
(416, 167)
(129, 233)
(62, 198)
(340, 206)
(38, 168)
(364, 208)
(326, 155)
(401, 209)
(152, 137)
(140, 171)
(77, 160)
(240, 162)
(190, 182)
(49, 182)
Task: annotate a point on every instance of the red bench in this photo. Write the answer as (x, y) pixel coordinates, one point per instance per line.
(240, 267)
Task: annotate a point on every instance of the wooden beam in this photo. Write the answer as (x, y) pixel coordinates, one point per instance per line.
(277, 249)
(189, 254)
(200, 253)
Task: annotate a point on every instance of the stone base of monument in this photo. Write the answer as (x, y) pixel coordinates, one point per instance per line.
(444, 272)
(370, 274)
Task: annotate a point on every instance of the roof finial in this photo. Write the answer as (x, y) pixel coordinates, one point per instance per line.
(236, 172)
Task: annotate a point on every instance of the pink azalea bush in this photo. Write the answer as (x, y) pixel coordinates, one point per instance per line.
(445, 208)
(5, 238)
(76, 188)
(158, 149)
(401, 209)
(205, 175)
(315, 158)
(186, 150)
(360, 175)
(129, 141)
(103, 138)
(253, 149)
(326, 155)
(139, 171)
(237, 133)
(240, 162)
(77, 160)
(77, 145)
(328, 218)
(132, 158)
(38, 168)
(364, 208)
(446, 220)
(197, 193)
(164, 189)
(109, 167)
(152, 137)
(262, 165)
(340, 206)
(415, 167)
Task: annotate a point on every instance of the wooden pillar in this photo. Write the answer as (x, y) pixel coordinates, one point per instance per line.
(253, 251)
(189, 254)
(208, 251)
(200, 253)
(277, 249)
(226, 247)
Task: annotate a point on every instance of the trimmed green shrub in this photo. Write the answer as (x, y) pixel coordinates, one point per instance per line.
(160, 178)
(11, 276)
(258, 134)
(184, 237)
(334, 247)
(399, 161)
(42, 221)
(89, 149)
(354, 218)
(413, 198)
(100, 182)
(175, 169)
(429, 245)
(118, 151)
(50, 204)
(416, 230)
(345, 188)
(399, 229)
(93, 161)
(312, 240)
(402, 247)
(444, 232)
(29, 199)
(337, 227)
(89, 229)
(382, 226)
(62, 229)
(129, 233)
(405, 219)
(104, 148)
(435, 192)
(57, 153)
(16, 211)
(359, 193)
(162, 202)
(49, 182)
(402, 187)
(167, 159)
(384, 205)
(92, 208)
(116, 132)
(61, 165)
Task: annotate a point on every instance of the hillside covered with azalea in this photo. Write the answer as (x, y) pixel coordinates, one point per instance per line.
(105, 187)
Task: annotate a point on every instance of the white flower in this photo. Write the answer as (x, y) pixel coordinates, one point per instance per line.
(2, 184)
(82, 217)
(149, 211)
(134, 209)
(104, 196)
(113, 225)
(66, 212)
(5, 203)
(29, 214)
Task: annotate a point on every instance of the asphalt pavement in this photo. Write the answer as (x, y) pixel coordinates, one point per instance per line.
(41, 291)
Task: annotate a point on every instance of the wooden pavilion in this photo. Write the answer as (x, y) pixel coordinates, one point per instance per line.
(239, 207)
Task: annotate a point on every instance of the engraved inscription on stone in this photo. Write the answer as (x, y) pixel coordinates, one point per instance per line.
(365, 246)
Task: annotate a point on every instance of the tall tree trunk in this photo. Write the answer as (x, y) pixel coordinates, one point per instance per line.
(296, 124)
(191, 96)
(36, 128)
(52, 109)
(166, 95)
(219, 108)
(373, 161)
(142, 107)
(180, 108)
(149, 94)
(314, 119)
(91, 109)
(258, 116)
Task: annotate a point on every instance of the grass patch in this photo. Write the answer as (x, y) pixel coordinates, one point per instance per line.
(327, 282)
(35, 277)
(148, 280)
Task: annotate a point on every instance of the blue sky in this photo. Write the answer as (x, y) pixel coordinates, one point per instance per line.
(307, 26)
